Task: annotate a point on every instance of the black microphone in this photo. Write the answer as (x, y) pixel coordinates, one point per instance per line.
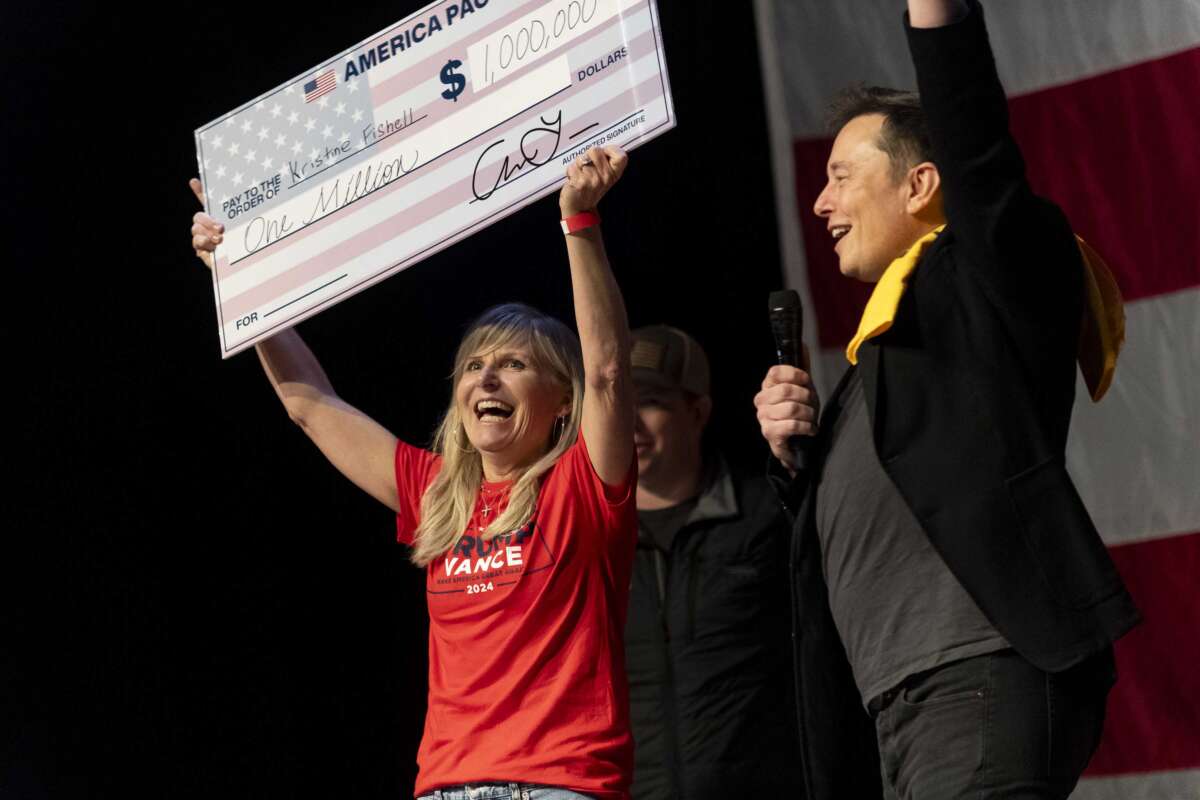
(787, 324)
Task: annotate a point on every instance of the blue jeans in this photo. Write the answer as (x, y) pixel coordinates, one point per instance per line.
(991, 726)
(503, 791)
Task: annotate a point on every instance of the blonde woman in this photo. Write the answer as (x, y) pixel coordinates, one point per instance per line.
(523, 517)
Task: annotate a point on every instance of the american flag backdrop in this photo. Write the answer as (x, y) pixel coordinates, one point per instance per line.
(1104, 99)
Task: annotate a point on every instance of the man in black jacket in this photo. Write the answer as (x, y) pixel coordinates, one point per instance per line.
(947, 576)
(708, 639)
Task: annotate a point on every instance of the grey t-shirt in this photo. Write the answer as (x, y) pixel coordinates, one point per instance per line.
(898, 608)
(663, 523)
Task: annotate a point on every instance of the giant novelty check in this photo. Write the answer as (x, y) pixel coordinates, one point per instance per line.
(448, 121)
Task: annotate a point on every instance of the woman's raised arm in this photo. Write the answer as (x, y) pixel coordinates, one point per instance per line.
(608, 410)
(358, 446)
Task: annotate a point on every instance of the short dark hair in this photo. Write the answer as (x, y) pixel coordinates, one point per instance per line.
(904, 135)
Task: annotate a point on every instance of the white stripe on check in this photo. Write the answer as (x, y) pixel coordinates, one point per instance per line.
(487, 52)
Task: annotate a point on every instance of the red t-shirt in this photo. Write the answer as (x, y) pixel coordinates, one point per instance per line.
(526, 635)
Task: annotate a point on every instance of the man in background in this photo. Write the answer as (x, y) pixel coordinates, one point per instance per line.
(708, 643)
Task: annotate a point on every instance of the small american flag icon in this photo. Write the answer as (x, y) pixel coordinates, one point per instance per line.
(321, 85)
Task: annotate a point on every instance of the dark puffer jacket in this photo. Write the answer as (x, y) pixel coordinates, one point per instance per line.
(708, 646)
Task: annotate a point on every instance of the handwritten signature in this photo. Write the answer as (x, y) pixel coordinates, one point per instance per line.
(533, 151)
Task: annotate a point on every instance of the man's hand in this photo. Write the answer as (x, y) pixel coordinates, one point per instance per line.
(589, 177)
(787, 406)
(935, 13)
(206, 231)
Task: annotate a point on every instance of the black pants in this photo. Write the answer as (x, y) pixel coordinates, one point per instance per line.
(991, 726)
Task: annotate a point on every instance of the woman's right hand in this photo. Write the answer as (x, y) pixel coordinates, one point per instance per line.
(207, 233)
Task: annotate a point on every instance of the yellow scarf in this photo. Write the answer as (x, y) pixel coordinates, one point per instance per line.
(881, 306)
(1101, 333)
(1103, 330)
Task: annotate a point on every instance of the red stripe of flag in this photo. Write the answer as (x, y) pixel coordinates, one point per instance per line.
(1153, 711)
(1119, 153)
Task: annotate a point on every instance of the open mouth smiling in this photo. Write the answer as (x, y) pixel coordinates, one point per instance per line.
(491, 410)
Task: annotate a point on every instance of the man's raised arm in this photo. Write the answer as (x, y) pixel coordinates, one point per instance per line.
(935, 13)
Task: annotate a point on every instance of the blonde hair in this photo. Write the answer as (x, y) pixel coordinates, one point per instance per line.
(448, 503)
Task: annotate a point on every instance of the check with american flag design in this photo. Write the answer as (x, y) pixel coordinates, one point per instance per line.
(447, 122)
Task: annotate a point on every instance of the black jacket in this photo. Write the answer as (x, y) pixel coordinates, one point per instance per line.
(709, 653)
(970, 396)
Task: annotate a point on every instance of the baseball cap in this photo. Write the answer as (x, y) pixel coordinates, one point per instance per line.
(667, 357)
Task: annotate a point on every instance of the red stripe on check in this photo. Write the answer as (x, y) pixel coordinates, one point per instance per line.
(1117, 151)
(1154, 710)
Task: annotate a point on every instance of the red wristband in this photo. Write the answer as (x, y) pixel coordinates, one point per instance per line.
(577, 222)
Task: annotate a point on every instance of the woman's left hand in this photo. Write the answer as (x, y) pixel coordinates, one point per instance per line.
(589, 177)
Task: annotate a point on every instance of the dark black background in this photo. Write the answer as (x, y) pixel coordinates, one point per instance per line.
(196, 605)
